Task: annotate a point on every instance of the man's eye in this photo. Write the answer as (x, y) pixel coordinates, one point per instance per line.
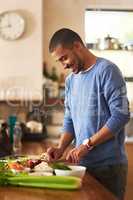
(63, 58)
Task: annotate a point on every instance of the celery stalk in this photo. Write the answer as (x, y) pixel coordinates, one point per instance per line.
(55, 182)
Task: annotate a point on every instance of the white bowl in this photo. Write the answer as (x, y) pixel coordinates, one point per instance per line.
(76, 170)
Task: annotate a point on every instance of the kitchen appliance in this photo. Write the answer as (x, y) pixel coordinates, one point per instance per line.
(109, 43)
(34, 128)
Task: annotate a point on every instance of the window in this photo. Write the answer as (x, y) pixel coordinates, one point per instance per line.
(100, 23)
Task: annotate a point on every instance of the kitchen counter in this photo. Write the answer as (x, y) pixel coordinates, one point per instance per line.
(91, 189)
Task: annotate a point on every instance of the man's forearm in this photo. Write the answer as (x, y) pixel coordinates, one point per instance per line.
(101, 136)
(65, 140)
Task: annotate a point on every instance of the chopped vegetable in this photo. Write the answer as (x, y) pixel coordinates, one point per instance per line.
(32, 163)
(16, 166)
(2, 166)
(45, 157)
(60, 166)
(55, 182)
(22, 178)
(43, 167)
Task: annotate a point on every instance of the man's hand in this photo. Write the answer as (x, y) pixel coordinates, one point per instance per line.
(76, 154)
(54, 153)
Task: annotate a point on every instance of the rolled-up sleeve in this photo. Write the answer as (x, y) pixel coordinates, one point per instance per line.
(67, 123)
(114, 89)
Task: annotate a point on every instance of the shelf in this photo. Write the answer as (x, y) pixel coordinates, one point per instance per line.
(111, 50)
(128, 79)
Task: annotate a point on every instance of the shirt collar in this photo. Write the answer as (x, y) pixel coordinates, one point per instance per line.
(88, 69)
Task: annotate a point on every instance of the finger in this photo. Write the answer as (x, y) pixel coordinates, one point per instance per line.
(77, 158)
(51, 153)
(71, 156)
(50, 150)
(56, 155)
(68, 157)
(74, 157)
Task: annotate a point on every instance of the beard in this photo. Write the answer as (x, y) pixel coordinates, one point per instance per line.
(78, 66)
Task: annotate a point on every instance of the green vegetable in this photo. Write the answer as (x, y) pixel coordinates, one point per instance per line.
(53, 182)
(22, 179)
(4, 177)
(3, 166)
(60, 166)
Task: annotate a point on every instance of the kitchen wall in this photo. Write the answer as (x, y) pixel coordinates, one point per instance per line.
(70, 14)
(21, 60)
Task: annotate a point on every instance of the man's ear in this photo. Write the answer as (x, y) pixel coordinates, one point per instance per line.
(77, 45)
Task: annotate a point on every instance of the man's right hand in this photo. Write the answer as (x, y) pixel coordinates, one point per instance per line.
(54, 153)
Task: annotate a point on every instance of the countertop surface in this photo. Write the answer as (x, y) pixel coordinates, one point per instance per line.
(90, 190)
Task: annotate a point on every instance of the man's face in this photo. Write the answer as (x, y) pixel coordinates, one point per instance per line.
(69, 57)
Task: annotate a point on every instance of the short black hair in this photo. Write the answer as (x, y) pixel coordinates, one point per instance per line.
(65, 37)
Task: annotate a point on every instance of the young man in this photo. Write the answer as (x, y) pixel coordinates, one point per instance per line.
(96, 111)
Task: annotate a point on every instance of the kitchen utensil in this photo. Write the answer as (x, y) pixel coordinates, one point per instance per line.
(109, 43)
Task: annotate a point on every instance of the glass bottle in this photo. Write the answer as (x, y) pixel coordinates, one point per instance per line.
(17, 137)
(6, 146)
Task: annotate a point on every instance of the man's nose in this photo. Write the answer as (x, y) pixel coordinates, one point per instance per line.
(66, 66)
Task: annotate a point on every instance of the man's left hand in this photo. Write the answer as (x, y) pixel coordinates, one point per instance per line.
(76, 154)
